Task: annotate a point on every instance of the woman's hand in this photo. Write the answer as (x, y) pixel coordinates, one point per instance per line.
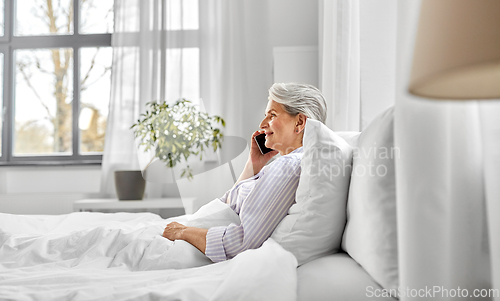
(174, 231)
(195, 236)
(256, 158)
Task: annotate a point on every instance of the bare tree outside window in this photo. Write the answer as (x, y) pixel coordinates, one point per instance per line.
(44, 90)
(43, 17)
(95, 84)
(44, 80)
(96, 16)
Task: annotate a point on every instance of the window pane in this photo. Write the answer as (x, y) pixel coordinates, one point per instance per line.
(188, 9)
(43, 101)
(2, 18)
(190, 79)
(96, 16)
(44, 17)
(95, 71)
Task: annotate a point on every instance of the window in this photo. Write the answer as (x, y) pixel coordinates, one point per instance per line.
(55, 66)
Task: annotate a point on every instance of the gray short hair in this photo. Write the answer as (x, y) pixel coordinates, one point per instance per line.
(300, 98)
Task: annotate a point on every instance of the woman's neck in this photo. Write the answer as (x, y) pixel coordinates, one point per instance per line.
(289, 149)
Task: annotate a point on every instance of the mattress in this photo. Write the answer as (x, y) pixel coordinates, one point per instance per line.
(336, 277)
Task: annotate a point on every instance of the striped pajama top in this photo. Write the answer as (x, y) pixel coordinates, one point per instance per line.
(261, 202)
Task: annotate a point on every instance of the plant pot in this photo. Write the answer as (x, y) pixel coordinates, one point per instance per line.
(129, 184)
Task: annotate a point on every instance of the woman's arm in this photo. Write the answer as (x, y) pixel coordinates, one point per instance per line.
(195, 236)
(265, 206)
(247, 172)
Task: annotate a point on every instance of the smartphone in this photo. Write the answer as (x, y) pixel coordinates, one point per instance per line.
(261, 142)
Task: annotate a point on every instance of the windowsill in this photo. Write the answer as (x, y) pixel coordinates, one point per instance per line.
(51, 163)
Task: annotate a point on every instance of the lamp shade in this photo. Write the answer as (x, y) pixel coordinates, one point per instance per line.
(457, 50)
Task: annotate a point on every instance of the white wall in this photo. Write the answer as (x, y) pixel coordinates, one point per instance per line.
(296, 64)
(51, 190)
(46, 189)
(287, 23)
(293, 22)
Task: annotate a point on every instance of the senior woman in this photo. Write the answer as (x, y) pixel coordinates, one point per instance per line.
(263, 193)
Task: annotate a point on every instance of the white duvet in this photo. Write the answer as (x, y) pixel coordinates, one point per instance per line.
(122, 256)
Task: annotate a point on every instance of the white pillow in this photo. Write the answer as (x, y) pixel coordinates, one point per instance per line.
(314, 225)
(370, 235)
(350, 137)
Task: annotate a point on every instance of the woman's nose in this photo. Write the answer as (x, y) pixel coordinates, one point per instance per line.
(263, 123)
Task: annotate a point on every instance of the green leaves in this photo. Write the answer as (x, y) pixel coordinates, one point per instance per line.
(177, 132)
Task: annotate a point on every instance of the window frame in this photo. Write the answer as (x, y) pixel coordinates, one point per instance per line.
(8, 45)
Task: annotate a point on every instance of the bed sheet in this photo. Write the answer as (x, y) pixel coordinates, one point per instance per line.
(122, 256)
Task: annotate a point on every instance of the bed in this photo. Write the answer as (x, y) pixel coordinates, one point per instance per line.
(122, 256)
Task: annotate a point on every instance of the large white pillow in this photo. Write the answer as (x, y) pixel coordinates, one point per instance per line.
(314, 225)
(370, 235)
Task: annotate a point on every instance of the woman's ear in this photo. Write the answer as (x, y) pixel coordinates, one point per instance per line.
(300, 124)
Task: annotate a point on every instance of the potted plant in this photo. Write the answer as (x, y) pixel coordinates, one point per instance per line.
(176, 132)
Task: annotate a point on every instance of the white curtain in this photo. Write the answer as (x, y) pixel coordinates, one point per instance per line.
(232, 41)
(339, 47)
(357, 60)
(143, 71)
(223, 60)
(235, 61)
(489, 112)
(235, 79)
(448, 227)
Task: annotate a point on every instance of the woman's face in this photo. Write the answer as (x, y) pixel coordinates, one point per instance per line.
(280, 129)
